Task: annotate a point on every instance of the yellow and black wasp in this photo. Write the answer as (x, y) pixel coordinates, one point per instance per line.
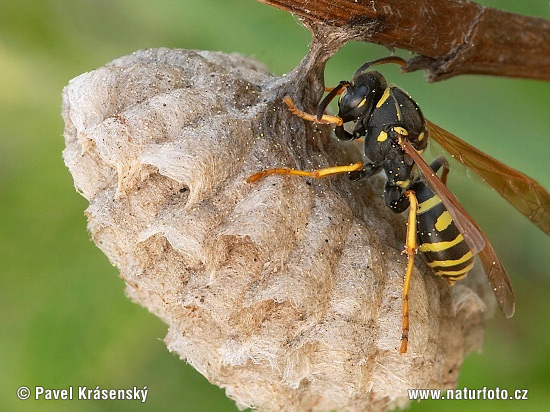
(395, 134)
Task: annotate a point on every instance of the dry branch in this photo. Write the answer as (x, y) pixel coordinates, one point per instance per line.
(451, 37)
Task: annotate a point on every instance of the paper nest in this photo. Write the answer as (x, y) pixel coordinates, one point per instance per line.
(286, 292)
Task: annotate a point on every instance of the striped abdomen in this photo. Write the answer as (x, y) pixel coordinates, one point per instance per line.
(439, 239)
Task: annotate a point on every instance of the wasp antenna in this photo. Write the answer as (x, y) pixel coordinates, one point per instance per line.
(389, 59)
(328, 98)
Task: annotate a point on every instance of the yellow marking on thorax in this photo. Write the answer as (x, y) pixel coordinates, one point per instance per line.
(382, 136)
(443, 221)
(362, 102)
(421, 136)
(428, 204)
(447, 263)
(439, 246)
(401, 131)
(383, 98)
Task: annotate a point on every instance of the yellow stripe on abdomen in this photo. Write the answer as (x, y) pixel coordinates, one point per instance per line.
(440, 246)
(428, 204)
(443, 221)
(448, 263)
(456, 273)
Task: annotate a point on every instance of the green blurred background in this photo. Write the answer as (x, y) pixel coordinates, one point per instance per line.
(64, 318)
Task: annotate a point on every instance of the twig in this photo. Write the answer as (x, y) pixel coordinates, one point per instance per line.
(451, 37)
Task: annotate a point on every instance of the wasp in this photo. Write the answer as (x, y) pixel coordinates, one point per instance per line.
(395, 134)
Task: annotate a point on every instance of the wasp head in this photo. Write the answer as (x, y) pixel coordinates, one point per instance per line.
(359, 98)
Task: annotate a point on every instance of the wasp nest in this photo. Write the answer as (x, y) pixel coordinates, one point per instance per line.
(285, 292)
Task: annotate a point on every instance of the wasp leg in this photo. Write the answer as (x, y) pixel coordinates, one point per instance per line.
(410, 250)
(395, 199)
(439, 163)
(325, 119)
(319, 173)
(342, 134)
(367, 171)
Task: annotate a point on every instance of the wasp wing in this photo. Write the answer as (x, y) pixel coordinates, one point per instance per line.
(522, 192)
(496, 274)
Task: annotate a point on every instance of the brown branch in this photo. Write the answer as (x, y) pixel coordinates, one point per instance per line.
(451, 37)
